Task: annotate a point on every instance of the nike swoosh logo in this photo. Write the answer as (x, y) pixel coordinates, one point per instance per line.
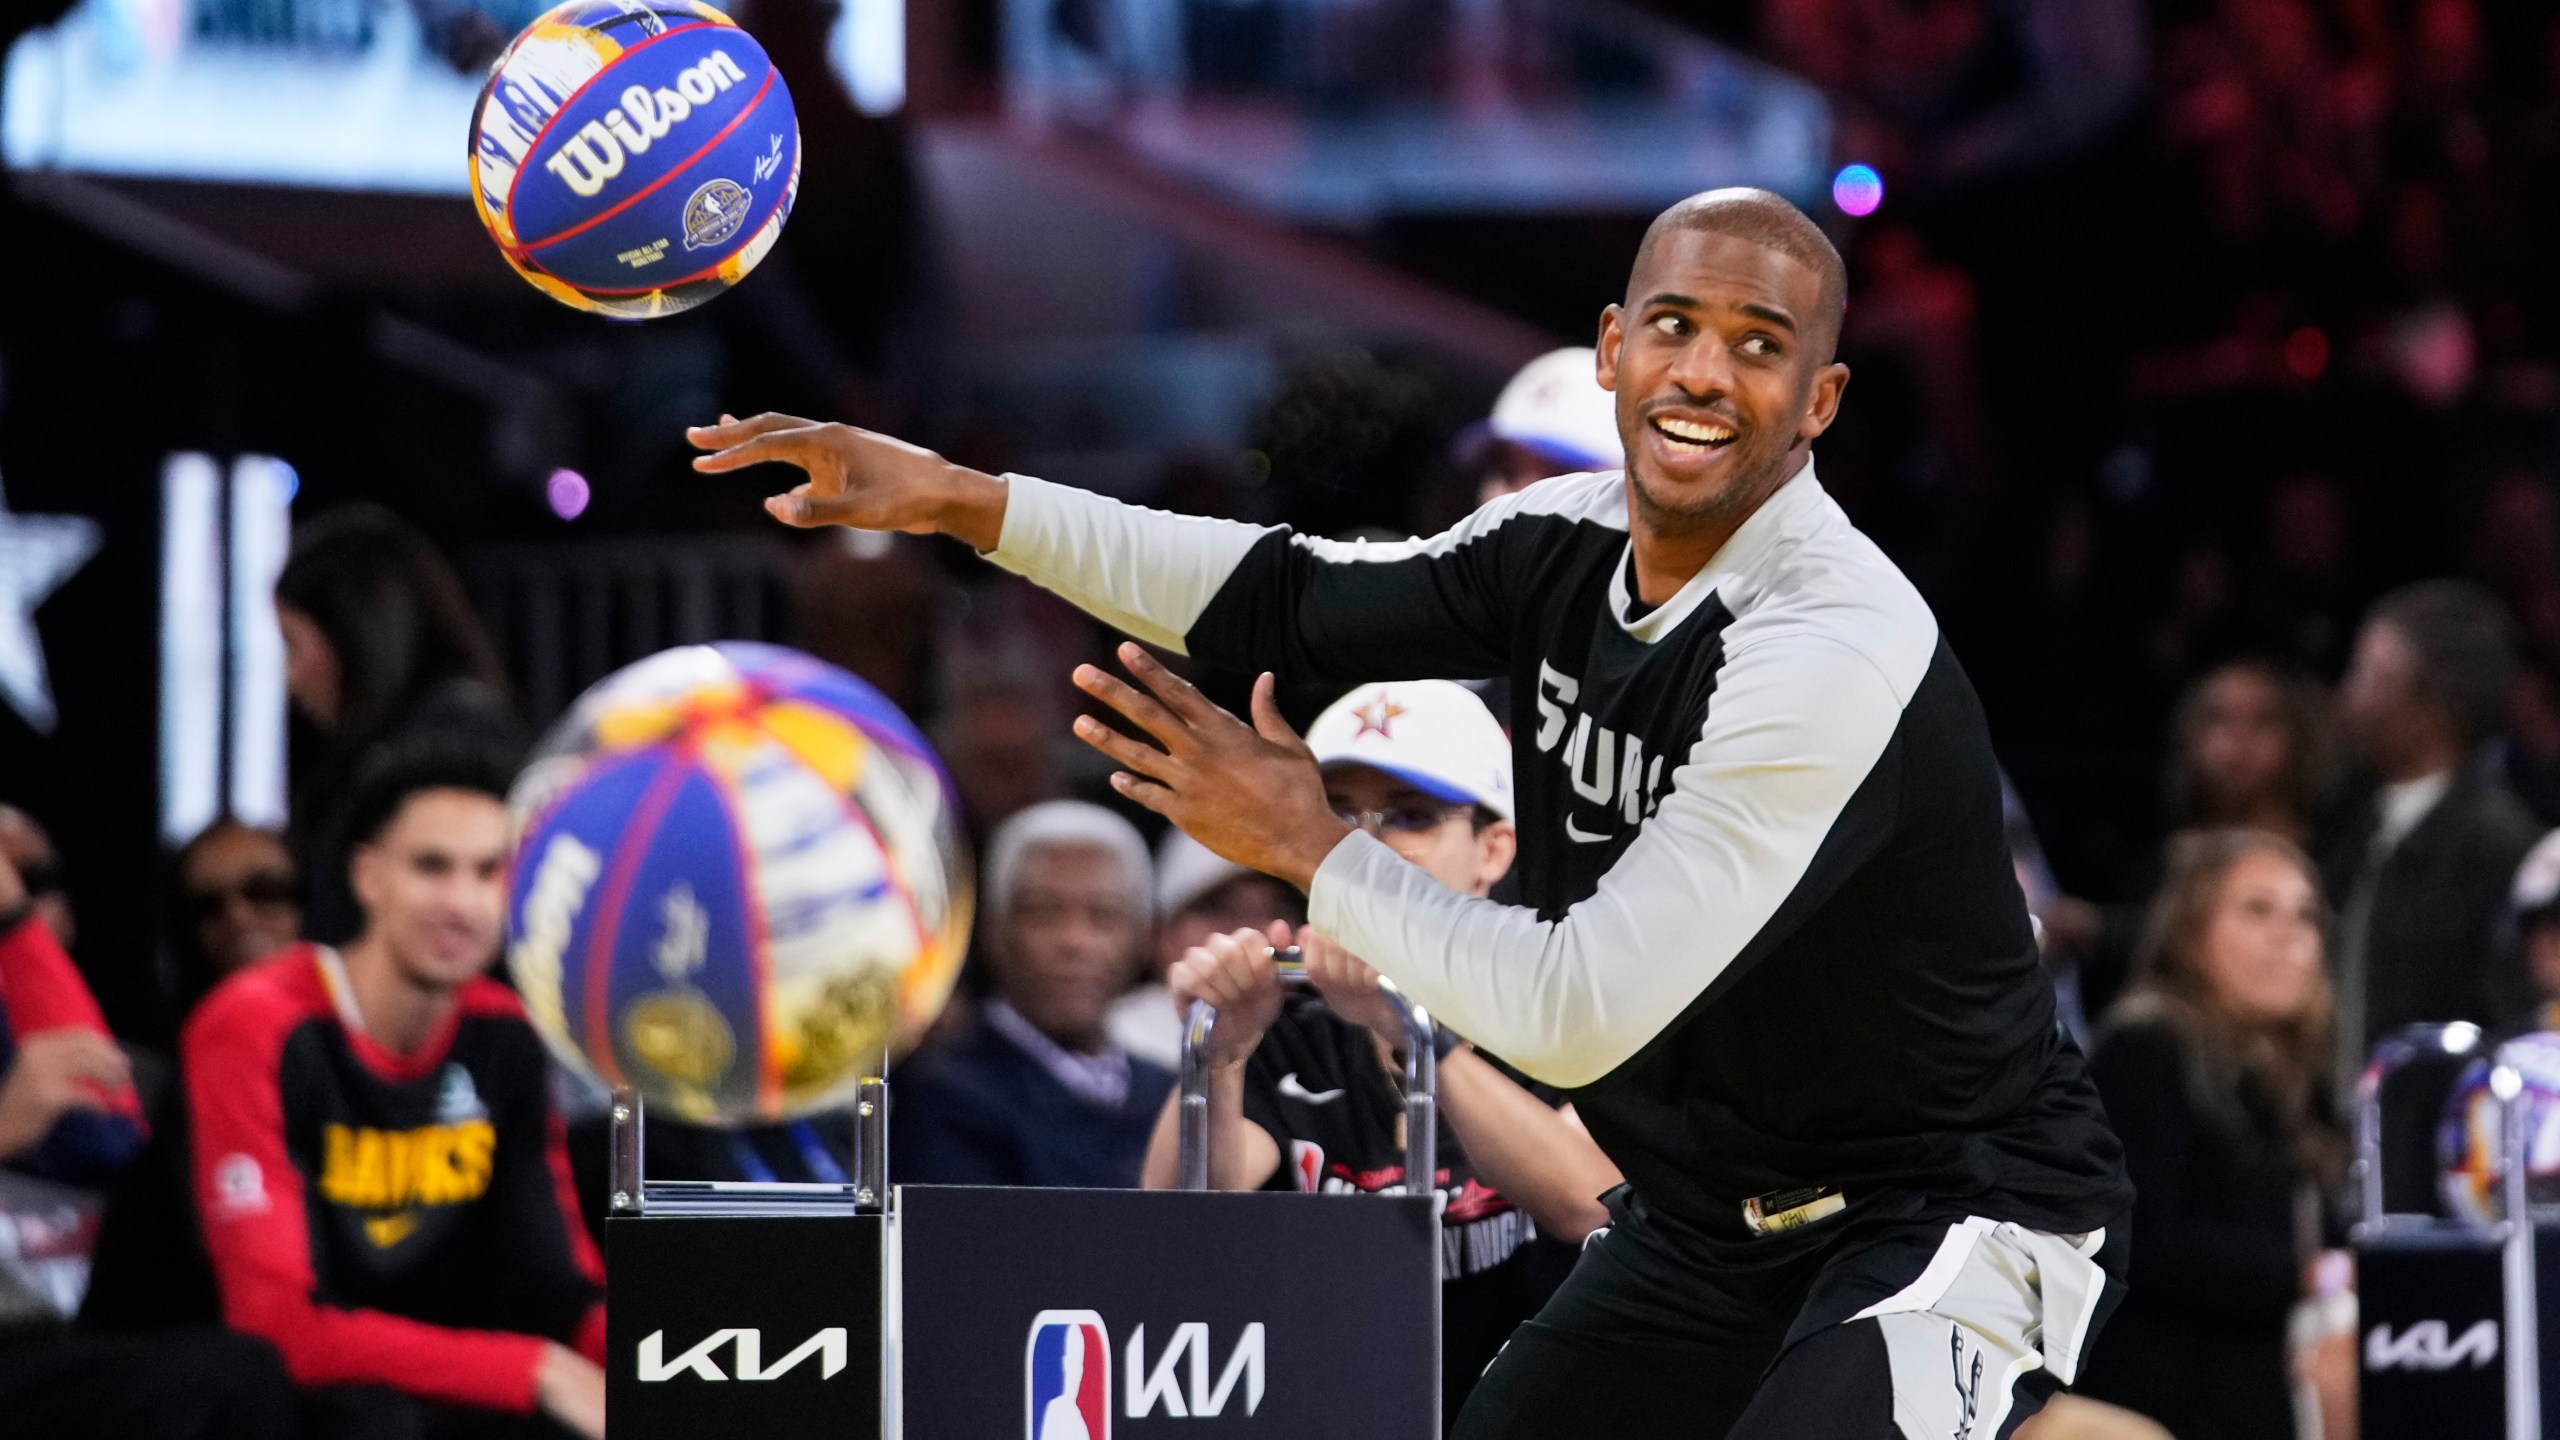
(1291, 1089)
(1579, 835)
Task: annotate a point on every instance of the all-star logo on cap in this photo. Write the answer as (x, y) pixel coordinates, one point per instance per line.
(1376, 716)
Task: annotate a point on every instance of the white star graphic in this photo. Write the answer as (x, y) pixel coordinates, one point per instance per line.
(37, 553)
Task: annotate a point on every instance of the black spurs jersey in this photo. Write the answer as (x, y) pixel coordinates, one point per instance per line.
(1773, 938)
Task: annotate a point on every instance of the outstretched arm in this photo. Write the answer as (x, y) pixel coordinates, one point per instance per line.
(1722, 869)
(1238, 594)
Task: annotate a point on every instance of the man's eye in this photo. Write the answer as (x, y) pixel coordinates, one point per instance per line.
(1670, 324)
(1759, 345)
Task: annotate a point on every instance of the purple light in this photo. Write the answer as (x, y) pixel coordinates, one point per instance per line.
(1857, 190)
(568, 493)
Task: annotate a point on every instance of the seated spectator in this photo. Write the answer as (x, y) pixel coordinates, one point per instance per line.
(2536, 899)
(26, 847)
(77, 1118)
(1304, 1094)
(2249, 747)
(232, 903)
(235, 904)
(68, 1110)
(377, 1165)
(2420, 870)
(381, 645)
(2215, 1068)
(1199, 893)
(1032, 1090)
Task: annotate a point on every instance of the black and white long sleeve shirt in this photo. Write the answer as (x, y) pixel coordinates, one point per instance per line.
(1773, 936)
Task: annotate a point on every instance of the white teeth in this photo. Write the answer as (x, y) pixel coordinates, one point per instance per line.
(1689, 432)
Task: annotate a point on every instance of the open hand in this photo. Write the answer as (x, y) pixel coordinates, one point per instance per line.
(1238, 974)
(1249, 792)
(857, 478)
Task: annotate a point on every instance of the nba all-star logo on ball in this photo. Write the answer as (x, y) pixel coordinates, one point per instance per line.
(616, 134)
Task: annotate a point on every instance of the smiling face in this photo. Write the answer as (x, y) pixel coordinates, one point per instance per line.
(1721, 361)
(433, 886)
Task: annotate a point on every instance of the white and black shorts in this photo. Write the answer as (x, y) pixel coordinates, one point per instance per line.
(1862, 1326)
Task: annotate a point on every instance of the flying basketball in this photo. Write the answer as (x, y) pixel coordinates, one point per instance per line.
(2468, 1142)
(740, 881)
(634, 160)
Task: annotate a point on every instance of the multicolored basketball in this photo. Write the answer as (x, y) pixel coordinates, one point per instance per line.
(740, 880)
(634, 157)
(2469, 1144)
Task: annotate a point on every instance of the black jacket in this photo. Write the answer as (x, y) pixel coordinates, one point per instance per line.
(2435, 905)
(2199, 1343)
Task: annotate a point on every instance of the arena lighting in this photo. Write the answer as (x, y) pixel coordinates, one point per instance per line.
(1857, 190)
(568, 492)
(223, 538)
(2306, 352)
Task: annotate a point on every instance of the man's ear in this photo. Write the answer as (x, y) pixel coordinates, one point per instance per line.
(364, 874)
(1613, 333)
(1497, 845)
(1829, 384)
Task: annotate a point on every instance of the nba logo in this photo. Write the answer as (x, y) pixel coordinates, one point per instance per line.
(1067, 1369)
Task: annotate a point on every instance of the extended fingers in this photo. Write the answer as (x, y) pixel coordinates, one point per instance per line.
(794, 446)
(1121, 749)
(1179, 695)
(731, 430)
(1143, 711)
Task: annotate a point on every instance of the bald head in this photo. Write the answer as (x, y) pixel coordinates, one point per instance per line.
(1765, 219)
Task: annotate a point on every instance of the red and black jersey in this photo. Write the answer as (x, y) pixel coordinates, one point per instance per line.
(394, 1219)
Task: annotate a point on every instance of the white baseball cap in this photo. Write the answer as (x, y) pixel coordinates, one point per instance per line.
(1434, 735)
(1556, 407)
(2537, 882)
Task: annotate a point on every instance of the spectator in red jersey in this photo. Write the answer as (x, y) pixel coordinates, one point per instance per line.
(68, 1110)
(377, 1163)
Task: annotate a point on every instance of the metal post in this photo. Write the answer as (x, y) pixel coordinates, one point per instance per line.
(871, 1139)
(2407, 1044)
(2522, 1346)
(629, 1195)
(1421, 1087)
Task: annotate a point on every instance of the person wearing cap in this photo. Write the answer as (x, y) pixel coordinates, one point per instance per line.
(1303, 1092)
(2535, 899)
(1199, 893)
(1551, 419)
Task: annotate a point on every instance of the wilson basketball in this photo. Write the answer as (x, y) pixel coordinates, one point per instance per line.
(634, 159)
(740, 882)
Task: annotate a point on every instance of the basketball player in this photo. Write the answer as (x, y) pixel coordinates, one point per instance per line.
(1773, 945)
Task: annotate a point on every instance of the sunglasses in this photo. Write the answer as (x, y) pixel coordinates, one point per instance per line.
(261, 888)
(1402, 819)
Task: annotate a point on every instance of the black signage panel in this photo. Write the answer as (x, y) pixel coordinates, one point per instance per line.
(765, 1326)
(2432, 1341)
(1090, 1314)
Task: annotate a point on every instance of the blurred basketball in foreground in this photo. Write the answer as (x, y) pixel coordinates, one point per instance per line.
(2469, 1143)
(741, 878)
(634, 159)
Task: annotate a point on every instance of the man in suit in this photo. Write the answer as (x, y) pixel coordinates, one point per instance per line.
(2420, 868)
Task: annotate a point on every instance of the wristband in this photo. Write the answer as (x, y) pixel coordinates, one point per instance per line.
(1444, 1040)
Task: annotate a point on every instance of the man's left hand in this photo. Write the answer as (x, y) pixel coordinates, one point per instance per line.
(1249, 792)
